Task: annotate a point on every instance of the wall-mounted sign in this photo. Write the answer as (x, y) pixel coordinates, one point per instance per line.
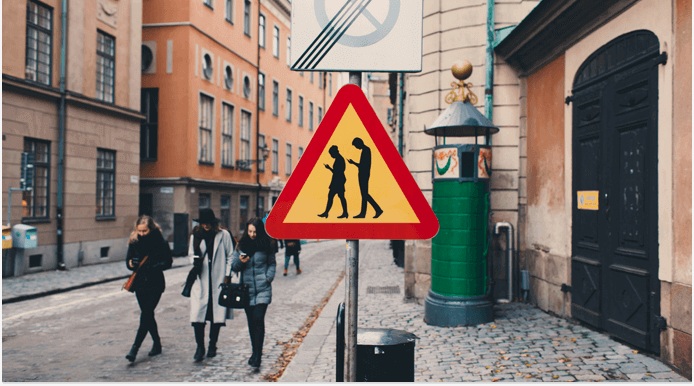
(446, 163)
(166, 190)
(134, 179)
(588, 199)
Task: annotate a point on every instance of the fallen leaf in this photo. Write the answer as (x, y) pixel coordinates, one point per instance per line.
(502, 352)
(519, 374)
(524, 355)
(569, 365)
(528, 376)
(635, 351)
(487, 367)
(648, 373)
(533, 356)
(495, 380)
(493, 326)
(527, 365)
(555, 376)
(573, 339)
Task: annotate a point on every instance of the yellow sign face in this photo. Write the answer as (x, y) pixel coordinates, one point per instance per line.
(342, 173)
(588, 199)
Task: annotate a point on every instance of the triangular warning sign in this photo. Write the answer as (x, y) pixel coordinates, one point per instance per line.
(351, 183)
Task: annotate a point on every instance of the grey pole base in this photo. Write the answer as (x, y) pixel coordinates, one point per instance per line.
(450, 311)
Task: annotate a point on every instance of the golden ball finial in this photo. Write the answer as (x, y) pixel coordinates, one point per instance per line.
(462, 69)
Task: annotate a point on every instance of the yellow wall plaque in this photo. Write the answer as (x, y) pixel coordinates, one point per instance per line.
(588, 199)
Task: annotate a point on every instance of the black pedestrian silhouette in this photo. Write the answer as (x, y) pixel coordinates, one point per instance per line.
(364, 166)
(337, 183)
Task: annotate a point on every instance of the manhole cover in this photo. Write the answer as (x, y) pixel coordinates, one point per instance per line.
(383, 290)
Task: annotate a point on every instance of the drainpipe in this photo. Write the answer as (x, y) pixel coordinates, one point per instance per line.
(61, 138)
(489, 73)
(509, 252)
(258, 156)
(401, 104)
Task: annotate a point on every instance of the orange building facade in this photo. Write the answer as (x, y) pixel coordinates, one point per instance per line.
(227, 120)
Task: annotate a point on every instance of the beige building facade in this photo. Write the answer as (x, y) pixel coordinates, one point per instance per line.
(101, 121)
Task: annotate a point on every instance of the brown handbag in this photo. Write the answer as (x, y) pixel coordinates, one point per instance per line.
(128, 286)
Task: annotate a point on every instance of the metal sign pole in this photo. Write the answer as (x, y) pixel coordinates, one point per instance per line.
(352, 290)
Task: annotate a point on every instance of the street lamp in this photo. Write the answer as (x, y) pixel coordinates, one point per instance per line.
(245, 164)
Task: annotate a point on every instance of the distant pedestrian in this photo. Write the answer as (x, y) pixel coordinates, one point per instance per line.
(147, 241)
(213, 247)
(255, 258)
(293, 249)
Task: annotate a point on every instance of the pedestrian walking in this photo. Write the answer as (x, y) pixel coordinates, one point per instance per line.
(364, 166)
(293, 248)
(148, 254)
(211, 250)
(337, 183)
(255, 258)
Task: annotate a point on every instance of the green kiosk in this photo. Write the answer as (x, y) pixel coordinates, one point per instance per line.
(460, 293)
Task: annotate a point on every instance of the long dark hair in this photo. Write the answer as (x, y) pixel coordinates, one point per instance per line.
(261, 242)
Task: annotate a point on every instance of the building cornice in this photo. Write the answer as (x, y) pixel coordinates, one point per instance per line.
(189, 24)
(553, 27)
(47, 91)
(198, 182)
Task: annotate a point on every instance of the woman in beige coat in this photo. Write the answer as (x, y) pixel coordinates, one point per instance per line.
(214, 265)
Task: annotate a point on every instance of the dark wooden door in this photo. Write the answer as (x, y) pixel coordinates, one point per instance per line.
(615, 283)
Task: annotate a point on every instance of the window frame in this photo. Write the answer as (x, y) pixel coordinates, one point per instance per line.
(301, 111)
(261, 161)
(289, 50)
(229, 11)
(300, 154)
(261, 90)
(288, 105)
(249, 140)
(206, 160)
(275, 98)
(32, 142)
(288, 159)
(310, 115)
(320, 114)
(208, 4)
(39, 29)
(276, 41)
(320, 80)
(105, 171)
(247, 18)
(227, 122)
(275, 156)
(105, 57)
(262, 32)
(225, 210)
(149, 129)
(330, 84)
(243, 221)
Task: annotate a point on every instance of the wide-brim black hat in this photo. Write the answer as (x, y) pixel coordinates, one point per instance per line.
(206, 217)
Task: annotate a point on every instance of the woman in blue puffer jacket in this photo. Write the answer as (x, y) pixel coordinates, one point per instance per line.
(255, 258)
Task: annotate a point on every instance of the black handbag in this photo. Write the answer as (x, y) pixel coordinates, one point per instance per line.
(235, 295)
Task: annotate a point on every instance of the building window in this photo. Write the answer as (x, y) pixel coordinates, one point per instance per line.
(35, 201)
(247, 17)
(330, 84)
(301, 111)
(243, 213)
(225, 210)
(245, 145)
(207, 3)
(227, 134)
(204, 201)
(276, 41)
(288, 161)
(289, 105)
(105, 67)
(301, 152)
(261, 206)
(149, 106)
(229, 78)
(275, 98)
(261, 31)
(105, 183)
(261, 145)
(320, 80)
(289, 52)
(246, 87)
(310, 77)
(390, 116)
(310, 116)
(229, 11)
(261, 91)
(320, 114)
(275, 156)
(39, 43)
(206, 121)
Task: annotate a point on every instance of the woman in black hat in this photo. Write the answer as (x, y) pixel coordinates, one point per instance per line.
(211, 250)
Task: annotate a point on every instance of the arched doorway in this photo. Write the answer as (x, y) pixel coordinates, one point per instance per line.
(614, 281)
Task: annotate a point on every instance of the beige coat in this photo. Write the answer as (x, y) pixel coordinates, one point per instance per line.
(221, 265)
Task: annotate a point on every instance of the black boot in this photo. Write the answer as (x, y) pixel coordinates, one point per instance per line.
(214, 335)
(156, 349)
(132, 354)
(200, 341)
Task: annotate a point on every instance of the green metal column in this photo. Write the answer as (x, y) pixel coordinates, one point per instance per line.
(459, 250)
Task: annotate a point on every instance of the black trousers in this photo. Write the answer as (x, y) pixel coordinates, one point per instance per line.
(256, 327)
(148, 300)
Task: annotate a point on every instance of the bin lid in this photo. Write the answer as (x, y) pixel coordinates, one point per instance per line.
(383, 336)
(6, 228)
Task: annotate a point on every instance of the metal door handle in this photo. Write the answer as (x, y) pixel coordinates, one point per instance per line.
(607, 207)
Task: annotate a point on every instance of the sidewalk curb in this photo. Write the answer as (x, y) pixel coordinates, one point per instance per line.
(37, 295)
(299, 369)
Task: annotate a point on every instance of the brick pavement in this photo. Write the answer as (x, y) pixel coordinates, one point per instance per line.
(522, 344)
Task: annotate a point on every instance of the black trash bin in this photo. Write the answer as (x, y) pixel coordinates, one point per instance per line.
(385, 355)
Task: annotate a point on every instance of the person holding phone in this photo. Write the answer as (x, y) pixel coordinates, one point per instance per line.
(210, 250)
(255, 257)
(147, 241)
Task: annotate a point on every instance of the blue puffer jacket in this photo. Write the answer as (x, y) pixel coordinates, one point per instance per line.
(258, 273)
